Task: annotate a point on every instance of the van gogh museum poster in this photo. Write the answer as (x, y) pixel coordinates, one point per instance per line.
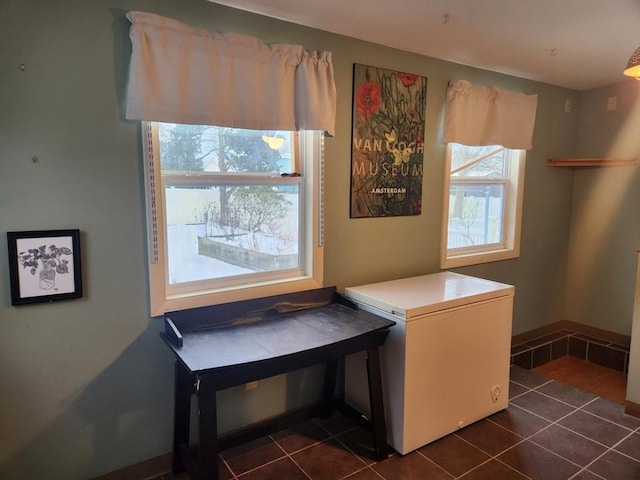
(387, 142)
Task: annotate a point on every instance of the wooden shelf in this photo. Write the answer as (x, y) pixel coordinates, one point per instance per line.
(591, 162)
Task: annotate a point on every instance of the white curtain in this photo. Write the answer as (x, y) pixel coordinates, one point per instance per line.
(479, 115)
(180, 74)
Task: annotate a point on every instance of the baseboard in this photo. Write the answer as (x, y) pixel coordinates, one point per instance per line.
(155, 467)
(537, 333)
(632, 408)
(550, 342)
(590, 331)
(574, 327)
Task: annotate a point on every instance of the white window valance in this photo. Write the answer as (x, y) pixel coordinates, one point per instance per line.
(181, 74)
(479, 115)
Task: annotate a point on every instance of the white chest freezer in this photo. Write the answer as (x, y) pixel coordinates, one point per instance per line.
(445, 364)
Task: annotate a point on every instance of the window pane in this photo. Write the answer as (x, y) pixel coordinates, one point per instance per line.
(475, 215)
(239, 217)
(490, 161)
(197, 148)
(219, 231)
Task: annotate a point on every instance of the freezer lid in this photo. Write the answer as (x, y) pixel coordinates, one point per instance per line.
(412, 297)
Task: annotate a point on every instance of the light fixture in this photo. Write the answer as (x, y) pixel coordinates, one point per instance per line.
(633, 67)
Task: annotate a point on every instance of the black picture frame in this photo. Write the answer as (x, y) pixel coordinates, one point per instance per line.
(44, 266)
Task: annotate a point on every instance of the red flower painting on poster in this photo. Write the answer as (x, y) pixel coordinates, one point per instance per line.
(387, 142)
(367, 98)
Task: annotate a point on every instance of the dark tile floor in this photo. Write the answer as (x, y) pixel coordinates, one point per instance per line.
(550, 431)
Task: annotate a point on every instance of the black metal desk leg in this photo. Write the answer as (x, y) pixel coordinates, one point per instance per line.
(183, 388)
(377, 405)
(208, 426)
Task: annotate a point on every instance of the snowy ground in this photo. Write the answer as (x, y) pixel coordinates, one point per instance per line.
(185, 265)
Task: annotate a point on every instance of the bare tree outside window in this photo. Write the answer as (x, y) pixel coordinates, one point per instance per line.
(219, 187)
(476, 195)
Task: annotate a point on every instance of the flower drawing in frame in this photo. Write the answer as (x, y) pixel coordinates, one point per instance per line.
(44, 266)
(387, 142)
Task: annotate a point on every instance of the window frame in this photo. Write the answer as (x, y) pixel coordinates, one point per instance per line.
(164, 298)
(509, 247)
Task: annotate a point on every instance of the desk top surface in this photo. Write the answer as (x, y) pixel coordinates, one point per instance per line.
(274, 336)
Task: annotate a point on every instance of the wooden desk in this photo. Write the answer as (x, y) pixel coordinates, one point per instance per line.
(226, 345)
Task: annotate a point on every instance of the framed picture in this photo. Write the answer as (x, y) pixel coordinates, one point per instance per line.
(387, 142)
(44, 266)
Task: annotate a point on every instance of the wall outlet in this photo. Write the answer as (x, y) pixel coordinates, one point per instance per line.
(251, 385)
(612, 103)
(567, 105)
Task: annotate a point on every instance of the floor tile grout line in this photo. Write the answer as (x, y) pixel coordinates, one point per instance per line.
(607, 447)
(290, 454)
(607, 450)
(622, 440)
(580, 467)
(509, 466)
(300, 449)
(610, 449)
(300, 467)
(354, 453)
(524, 410)
(262, 464)
(607, 419)
(630, 431)
(556, 422)
(546, 427)
(560, 400)
(366, 467)
(434, 463)
(547, 419)
(528, 437)
(493, 457)
(584, 469)
(522, 438)
(471, 470)
(519, 395)
(228, 466)
(575, 408)
(333, 436)
(512, 468)
(575, 433)
(526, 386)
(286, 455)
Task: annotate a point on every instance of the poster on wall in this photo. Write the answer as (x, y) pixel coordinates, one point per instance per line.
(387, 142)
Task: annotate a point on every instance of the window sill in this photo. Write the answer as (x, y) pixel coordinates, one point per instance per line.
(478, 258)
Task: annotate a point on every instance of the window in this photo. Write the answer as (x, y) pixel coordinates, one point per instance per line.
(482, 204)
(233, 213)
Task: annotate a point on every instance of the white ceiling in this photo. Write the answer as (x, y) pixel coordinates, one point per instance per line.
(579, 44)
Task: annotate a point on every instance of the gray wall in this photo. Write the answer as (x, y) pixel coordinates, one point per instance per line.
(605, 216)
(86, 384)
